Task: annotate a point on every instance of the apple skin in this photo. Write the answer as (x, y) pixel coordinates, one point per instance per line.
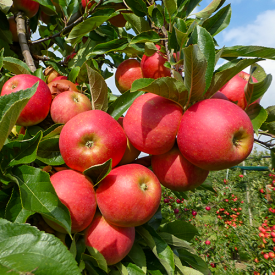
(29, 7)
(234, 89)
(13, 29)
(129, 195)
(92, 138)
(85, 2)
(175, 172)
(77, 193)
(67, 105)
(220, 95)
(113, 242)
(151, 123)
(38, 106)
(59, 86)
(153, 66)
(127, 72)
(131, 153)
(215, 134)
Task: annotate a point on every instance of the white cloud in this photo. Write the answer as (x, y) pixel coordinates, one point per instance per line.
(256, 33)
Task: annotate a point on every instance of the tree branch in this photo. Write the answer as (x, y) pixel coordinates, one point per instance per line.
(21, 31)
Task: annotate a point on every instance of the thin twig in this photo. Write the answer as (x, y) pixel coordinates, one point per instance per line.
(21, 31)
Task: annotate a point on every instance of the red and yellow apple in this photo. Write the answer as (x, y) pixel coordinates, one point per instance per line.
(77, 193)
(68, 104)
(175, 172)
(92, 138)
(215, 134)
(153, 66)
(129, 195)
(113, 242)
(151, 123)
(127, 72)
(38, 106)
(234, 89)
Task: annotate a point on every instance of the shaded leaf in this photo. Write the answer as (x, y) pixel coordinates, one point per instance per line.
(26, 249)
(139, 24)
(114, 45)
(134, 270)
(137, 256)
(165, 86)
(122, 103)
(38, 195)
(15, 65)
(96, 258)
(10, 108)
(98, 89)
(148, 36)
(138, 7)
(207, 185)
(257, 115)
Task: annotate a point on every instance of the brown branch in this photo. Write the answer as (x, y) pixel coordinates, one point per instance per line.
(167, 49)
(21, 31)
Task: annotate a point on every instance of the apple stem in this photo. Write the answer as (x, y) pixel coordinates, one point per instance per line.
(21, 31)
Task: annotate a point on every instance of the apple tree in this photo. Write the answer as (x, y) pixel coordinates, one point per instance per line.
(84, 43)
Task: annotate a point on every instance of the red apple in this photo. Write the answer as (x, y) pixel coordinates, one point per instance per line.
(59, 86)
(215, 134)
(29, 7)
(113, 242)
(77, 193)
(38, 106)
(69, 57)
(13, 29)
(129, 195)
(234, 89)
(127, 72)
(131, 153)
(151, 123)
(45, 18)
(153, 66)
(60, 77)
(67, 105)
(220, 95)
(119, 20)
(85, 2)
(92, 138)
(177, 173)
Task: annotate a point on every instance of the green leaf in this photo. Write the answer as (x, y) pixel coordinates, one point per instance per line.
(180, 195)
(49, 153)
(15, 212)
(137, 256)
(258, 72)
(180, 229)
(206, 45)
(139, 24)
(165, 86)
(10, 108)
(122, 103)
(15, 65)
(207, 185)
(176, 242)
(171, 7)
(114, 45)
(257, 115)
(194, 261)
(219, 21)
(20, 151)
(87, 26)
(158, 18)
(5, 5)
(249, 51)
(207, 11)
(134, 270)
(52, 131)
(195, 66)
(26, 249)
(226, 72)
(138, 7)
(159, 247)
(98, 172)
(39, 73)
(38, 195)
(97, 258)
(148, 36)
(98, 89)
(185, 269)
(73, 74)
(47, 3)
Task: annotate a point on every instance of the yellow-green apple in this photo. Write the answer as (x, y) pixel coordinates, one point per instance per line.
(131, 152)
(29, 7)
(113, 242)
(67, 105)
(153, 66)
(129, 195)
(234, 89)
(38, 106)
(175, 172)
(77, 193)
(91, 138)
(215, 134)
(127, 72)
(151, 123)
(59, 86)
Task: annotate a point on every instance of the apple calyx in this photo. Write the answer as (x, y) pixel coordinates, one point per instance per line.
(89, 144)
(144, 186)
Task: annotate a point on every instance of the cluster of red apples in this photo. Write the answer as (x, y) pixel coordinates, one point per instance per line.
(212, 134)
